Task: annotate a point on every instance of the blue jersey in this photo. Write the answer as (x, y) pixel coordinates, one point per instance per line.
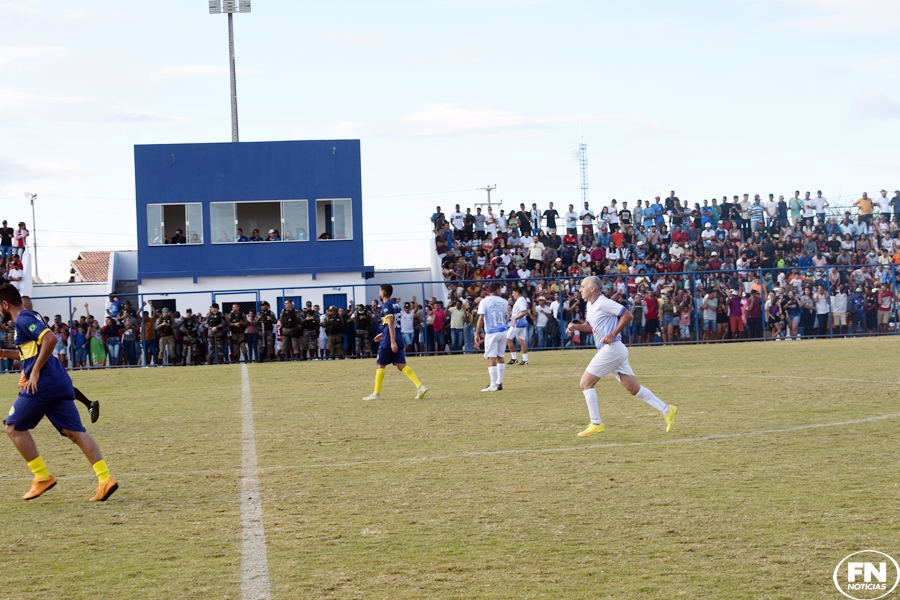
(494, 309)
(387, 309)
(54, 381)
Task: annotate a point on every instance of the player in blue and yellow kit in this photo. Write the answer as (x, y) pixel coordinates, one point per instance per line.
(390, 351)
(47, 392)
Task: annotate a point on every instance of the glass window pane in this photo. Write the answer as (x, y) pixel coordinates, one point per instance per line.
(155, 225)
(295, 221)
(194, 223)
(334, 219)
(221, 222)
(343, 219)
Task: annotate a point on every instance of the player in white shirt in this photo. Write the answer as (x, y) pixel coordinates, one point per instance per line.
(606, 320)
(571, 220)
(819, 204)
(492, 314)
(518, 326)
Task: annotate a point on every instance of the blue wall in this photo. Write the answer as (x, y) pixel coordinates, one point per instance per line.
(246, 171)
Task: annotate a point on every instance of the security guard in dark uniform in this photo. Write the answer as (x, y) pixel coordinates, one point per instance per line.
(310, 331)
(189, 338)
(215, 326)
(237, 324)
(362, 318)
(265, 322)
(334, 326)
(165, 331)
(290, 335)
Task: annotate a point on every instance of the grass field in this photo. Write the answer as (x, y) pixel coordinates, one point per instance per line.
(471, 495)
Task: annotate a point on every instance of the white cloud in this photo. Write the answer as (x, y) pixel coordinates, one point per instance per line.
(844, 16)
(342, 37)
(20, 109)
(445, 119)
(874, 105)
(11, 56)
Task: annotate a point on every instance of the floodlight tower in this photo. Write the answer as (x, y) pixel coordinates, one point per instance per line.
(231, 6)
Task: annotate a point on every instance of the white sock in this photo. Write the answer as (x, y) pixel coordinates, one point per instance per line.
(501, 369)
(648, 397)
(514, 356)
(525, 356)
(593, 408)
(492, 371)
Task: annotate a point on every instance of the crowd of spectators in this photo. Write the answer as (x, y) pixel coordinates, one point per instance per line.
(158, 336)
(734, 269)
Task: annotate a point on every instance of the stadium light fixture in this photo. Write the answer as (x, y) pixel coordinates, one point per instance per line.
(217, 7)
(32, 197)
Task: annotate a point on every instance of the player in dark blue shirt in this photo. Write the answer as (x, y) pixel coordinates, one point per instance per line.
(47, 392)
(391, 349)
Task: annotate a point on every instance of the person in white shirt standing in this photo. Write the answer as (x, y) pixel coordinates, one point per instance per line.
(606, 320)
(518, 326)
(820, 203)
(571, 221)
(458, 221)
(492, 315)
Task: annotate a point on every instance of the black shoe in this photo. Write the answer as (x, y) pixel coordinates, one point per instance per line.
(499, 387)
(94, 410)
(512, 361)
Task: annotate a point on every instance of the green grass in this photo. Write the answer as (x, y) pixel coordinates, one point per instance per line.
(471, 495)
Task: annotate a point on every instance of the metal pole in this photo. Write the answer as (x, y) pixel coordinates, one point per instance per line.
(234, 115)
(34, 237)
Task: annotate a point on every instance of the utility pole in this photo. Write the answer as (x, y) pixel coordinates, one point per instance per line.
(488, 189)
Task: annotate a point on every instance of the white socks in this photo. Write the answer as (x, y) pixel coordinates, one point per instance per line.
(514, 356)
(492, 371)
(501, 369)
(593, 408)
(525, 356)
(648, 397)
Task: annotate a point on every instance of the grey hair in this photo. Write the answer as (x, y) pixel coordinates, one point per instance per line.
(593, 281)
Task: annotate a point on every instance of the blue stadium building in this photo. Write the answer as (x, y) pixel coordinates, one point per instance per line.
(192, 200)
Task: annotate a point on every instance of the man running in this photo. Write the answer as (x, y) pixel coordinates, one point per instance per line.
(518, 327)
(47, 393)
(606, 320)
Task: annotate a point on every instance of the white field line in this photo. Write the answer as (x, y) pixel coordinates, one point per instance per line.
(514, 451)
(254, 564)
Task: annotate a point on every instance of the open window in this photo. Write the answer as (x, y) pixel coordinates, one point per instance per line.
(230, 222)
(175, 223)
(334, 219)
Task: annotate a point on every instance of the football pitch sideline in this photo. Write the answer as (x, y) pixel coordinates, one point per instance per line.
(782, 462)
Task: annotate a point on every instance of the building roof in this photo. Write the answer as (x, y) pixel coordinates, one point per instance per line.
(92, 266)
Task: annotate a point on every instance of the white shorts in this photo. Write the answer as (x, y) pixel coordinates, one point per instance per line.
(494, 345)
(610, 359)
(840, 319)
(515, 332)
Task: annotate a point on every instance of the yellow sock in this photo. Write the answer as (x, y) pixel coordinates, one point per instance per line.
(101, 470)
(407, 370)
(39, 469)
(379, 379)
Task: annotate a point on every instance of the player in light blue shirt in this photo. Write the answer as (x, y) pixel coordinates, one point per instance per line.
(606, 320)
(492, 319)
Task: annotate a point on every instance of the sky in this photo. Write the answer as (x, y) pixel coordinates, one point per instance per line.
(707, 98)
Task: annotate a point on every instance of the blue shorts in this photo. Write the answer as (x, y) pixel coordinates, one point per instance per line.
(668, 320)
(709, 324)
(388, 357)
(794, 319)
(28, 410)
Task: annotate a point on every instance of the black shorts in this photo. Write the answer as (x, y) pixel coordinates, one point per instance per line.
(651, 326)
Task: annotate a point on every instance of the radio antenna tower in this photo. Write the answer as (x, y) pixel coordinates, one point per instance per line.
(581, 155)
